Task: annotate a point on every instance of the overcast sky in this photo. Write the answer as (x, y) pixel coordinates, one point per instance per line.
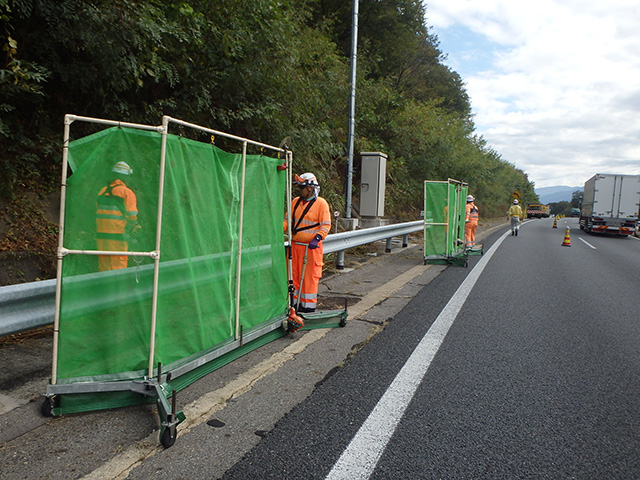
(554, 84)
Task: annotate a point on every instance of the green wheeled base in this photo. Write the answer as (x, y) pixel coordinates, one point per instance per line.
(169, 418)
(461, 259)
(477, 250)
(325, 319)
(318, 319)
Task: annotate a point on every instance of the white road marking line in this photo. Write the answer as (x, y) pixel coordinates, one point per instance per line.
(587, 243)
(635, 238)
(361, 456)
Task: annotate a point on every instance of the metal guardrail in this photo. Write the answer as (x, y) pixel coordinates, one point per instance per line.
(338, 242)
(32, 305)
(26, 306)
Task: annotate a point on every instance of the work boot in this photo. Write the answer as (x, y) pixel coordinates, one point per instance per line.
(516, 233)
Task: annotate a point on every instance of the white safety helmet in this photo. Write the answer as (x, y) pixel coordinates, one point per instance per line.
(470, 198)
(306, 180)
(515, 202)
(122, 168)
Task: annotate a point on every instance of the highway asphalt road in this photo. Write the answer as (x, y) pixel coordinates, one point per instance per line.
(537, 377)
(526, 366)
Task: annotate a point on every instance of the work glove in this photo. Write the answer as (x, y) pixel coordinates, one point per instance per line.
(313, 244)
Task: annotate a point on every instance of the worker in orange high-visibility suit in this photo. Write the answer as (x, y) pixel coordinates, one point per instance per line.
(311, 223)
(471, 222)
(116, 218)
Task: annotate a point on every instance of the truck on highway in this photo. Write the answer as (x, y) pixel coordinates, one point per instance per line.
(545, 210)
(534, 210)
(610, 204)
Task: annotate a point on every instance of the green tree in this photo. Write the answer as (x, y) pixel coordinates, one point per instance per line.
(262, 69)
(576, 199)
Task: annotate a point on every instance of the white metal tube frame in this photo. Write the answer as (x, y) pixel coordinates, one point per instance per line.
(155, 254)
(68, 120)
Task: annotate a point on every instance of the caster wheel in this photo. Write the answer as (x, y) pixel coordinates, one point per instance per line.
(168, 437)
(343, 322)
(47, 407)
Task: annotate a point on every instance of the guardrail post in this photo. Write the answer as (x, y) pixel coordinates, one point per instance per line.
(388, 246)
(405, 240)
(348, 225)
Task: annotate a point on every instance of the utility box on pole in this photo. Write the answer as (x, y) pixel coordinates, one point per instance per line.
(372, 184)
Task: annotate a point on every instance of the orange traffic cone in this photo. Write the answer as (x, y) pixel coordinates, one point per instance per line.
(567, 239)
(555, 222)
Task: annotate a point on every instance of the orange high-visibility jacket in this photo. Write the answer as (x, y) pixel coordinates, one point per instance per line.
(309, 220)
(116, 206)
(471, 213)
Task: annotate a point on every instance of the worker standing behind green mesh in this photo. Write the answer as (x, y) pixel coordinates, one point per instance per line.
(311, 224)
(116, 218)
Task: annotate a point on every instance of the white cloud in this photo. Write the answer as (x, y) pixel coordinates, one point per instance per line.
(559, 95)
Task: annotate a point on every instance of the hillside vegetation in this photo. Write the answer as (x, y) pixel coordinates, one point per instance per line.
(261, 69)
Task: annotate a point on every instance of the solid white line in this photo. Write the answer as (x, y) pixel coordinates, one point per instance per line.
(587, 243)
(361, 456)
(635, 238)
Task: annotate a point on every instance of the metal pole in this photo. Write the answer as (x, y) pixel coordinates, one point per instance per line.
(240, 226)
(225, 135)
(73, 118)
(156, 269)
(289, 160)
(68, 119)
(352, 109)
(450, 227)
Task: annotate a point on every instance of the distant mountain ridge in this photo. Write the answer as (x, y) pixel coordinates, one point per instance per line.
(559, 193)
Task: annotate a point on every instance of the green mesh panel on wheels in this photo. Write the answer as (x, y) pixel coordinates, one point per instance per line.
(436, 207)
(458, 199)
(105, 317)
(444, 210)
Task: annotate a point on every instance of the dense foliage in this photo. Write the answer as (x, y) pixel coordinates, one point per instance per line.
(264, 69)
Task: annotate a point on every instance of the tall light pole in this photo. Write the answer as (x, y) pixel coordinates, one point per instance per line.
(352, 121)
(352, 108)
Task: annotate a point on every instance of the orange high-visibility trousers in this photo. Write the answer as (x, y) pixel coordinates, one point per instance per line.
(470, 234)
(308, 294)
(112, 262)
(116, 207)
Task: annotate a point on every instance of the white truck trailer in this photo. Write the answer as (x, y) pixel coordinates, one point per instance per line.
(610, 204)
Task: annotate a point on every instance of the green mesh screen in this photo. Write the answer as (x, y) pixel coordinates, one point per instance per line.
(105, 317)
(444, 210)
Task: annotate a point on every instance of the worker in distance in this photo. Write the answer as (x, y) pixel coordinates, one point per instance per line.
(515, 214)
